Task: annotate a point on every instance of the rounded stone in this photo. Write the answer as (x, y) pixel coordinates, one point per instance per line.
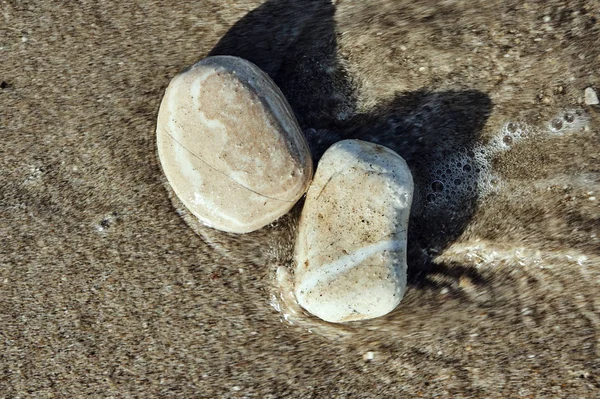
(230, 145)
(590, 96)
(350, 252)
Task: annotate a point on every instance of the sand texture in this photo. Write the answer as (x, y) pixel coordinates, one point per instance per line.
(108, 288)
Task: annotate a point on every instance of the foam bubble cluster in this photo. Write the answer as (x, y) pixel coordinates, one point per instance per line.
(568, 121)
(456, 181)
(510, 134)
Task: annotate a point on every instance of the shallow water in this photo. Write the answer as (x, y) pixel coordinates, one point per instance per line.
(105, 291)
(503, 237)
(508, 269)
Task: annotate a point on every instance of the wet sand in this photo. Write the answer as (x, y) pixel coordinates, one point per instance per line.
(109, 289)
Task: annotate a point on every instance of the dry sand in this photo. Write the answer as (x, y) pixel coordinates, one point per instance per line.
(106, 291)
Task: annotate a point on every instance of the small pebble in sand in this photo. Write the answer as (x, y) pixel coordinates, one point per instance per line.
(230, 146)
(590, 96)
(351, 248)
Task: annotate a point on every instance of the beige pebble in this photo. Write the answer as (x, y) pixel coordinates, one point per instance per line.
(591, 98)
(230, 146)
(351, 248)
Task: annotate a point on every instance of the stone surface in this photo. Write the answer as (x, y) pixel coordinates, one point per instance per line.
(590, 96)
(351, 248)
(230, 146)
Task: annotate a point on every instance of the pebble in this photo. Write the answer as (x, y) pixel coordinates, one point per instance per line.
(350, 252)
(590, 96)
(230, 145)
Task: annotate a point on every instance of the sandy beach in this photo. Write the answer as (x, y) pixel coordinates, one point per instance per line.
(110, 289)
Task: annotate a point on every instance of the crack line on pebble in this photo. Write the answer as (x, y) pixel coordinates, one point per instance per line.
(325, 185)
(328, 272)
(223, 173)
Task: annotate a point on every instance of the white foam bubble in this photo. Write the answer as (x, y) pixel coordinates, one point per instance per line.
(457, 179)
(467, 175)
(571, 120)
(511, 133)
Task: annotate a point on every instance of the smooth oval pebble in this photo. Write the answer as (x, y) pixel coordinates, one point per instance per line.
(350, 252)
(230, 145)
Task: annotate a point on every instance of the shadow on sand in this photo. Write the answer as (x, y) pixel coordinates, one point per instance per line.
(294, 41)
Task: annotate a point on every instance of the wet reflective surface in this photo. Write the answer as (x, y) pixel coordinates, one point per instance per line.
(106, 291)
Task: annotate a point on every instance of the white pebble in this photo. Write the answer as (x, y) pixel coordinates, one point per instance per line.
(351, 248)
(230, 145)
(591, 98)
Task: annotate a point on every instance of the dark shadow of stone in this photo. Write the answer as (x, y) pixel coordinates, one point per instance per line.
(294, 41)
(431, 130)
